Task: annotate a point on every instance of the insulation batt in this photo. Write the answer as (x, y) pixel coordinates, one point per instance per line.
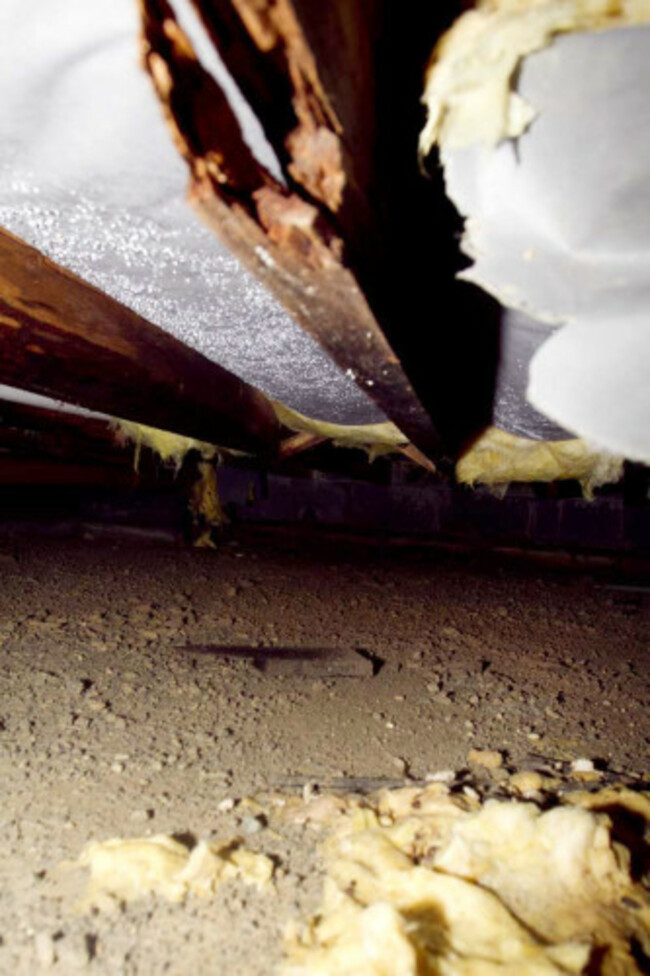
(422, 882)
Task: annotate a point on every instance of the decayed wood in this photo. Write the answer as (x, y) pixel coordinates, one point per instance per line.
(267, 50)
(399, 227)
(63, 338)
(337, 88)
(301, 239)
(308, 71)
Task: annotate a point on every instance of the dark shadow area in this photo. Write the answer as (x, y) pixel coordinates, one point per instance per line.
(308, 661)
(374, 659)
(186, 838)
(428, 931)
(640, 956)
(401, 231)
(596, 960)
(446, 332)
(628, 829)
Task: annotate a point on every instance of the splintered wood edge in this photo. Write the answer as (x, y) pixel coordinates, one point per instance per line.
(282, 234)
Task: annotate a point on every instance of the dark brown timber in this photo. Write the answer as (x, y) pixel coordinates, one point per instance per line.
(30, 430)
(65, 339)
(302, 238)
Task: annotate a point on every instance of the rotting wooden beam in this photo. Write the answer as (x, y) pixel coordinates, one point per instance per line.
(65, 339)
(306, 70)
(298, 238)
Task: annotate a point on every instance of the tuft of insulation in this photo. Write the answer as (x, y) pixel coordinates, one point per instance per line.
(468, 92)
(421, 881)
(376, 439)
(122, 870)
(205, 507)
(424, 879)
(498, 458)
(171, 448)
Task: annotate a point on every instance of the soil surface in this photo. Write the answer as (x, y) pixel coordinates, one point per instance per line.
(125, 711)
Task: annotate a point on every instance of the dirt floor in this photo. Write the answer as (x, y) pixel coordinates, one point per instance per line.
(122, 715)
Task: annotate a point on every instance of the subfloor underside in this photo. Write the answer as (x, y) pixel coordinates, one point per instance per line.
(126, 711)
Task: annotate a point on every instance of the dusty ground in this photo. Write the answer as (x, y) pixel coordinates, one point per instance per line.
(119, 717)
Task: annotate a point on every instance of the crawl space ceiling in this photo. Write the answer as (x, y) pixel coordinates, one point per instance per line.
(557, 215)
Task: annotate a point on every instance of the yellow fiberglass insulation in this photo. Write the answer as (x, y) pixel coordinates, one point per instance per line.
(376, 439)
(170, 448)
(498, 458)
(468, 92)
(126, 869)
(204, 504)
(421, 882)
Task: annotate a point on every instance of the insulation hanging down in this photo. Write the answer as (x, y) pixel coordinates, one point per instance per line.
(540, 114)
(497, 458)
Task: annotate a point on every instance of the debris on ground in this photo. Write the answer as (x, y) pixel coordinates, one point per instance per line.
(114, 724)
(422, 881)
(125, 869)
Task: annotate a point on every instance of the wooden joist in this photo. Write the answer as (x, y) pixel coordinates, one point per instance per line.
(65, 339)
(314, 238)
(28, 430)
(51, 472)
(299, 443)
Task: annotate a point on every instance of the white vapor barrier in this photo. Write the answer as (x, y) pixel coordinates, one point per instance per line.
(558, 228)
